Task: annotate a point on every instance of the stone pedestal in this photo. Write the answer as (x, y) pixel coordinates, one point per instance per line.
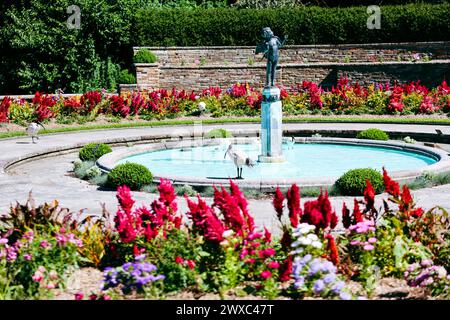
(271, 130)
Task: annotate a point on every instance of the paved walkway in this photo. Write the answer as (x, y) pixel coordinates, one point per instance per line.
(49, 178)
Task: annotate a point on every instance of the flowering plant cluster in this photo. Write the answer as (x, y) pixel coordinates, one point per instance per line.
(239, 100)
(137, 276)
(427, 275)
(38, 262)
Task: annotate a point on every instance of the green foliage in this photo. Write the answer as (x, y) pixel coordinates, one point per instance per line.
(218, 133)
(126, 77)
(81, 168)
(93, 151)
(304, 25)
(353, 182)
(145, 56)
(94, 238)
(130, 174)
(373, 134)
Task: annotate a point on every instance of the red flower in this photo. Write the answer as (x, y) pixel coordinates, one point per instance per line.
(205, 221)
(167, 194)
(357, 214)
(267, 236)
(179, 260)
(273, 265)
(332, 249)
(126, 202)
(249, 261)
(229, 207)
(391, 187)
(79, 296)
(278, 202)
(346, 219)
(243, 205)
(266, 274)
(191, 264)
(417, 213)
(369, 194)
(406, 198)
(286, 270)
(293, 203)
(4, 109)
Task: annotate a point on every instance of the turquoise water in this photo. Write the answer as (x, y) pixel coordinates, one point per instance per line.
(302, 161)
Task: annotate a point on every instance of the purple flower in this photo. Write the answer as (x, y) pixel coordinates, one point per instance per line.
(337, 288)
(329, 278)
(345, 296)
(3, 241)
(299, 282)
(318, 287)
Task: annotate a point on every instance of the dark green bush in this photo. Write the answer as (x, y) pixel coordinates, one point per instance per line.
(373, 134)
(133, 175)
(125, 77)
(353, 182)
(303, 25)
(145, 56)
(93, 151)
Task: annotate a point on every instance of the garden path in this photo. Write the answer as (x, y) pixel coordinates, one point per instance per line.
(49, 178)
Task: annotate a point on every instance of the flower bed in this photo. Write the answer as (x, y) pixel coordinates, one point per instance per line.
(239, 100)
(156, 251)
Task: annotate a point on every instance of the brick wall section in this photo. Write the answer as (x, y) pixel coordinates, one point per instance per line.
(191, 56)
(224, 66)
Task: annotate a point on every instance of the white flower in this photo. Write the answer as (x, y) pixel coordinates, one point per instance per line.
(316, 244)
(202, 106)
(227, 233)
(312, 237)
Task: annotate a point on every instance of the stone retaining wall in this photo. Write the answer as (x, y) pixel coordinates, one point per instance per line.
(193, 68)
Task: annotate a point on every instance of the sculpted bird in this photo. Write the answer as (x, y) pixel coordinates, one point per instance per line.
(239, 158)
(33, 130)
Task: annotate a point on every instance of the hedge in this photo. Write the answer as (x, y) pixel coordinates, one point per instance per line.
(304, 25)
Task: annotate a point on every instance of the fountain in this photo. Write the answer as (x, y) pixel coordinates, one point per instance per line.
(271, 108)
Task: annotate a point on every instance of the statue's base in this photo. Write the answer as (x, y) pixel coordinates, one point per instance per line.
(267, 159)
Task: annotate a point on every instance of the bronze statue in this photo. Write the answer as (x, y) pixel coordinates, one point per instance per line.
(270, 48)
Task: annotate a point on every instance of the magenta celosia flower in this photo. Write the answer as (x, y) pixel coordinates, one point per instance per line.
(242, 202)
(229, 207)
(273, 265)
(167, 194)
(266, 274)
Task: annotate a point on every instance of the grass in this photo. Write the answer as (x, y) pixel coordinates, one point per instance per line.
(170, 122)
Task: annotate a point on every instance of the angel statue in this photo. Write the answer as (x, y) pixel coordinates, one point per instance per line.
(270, 48)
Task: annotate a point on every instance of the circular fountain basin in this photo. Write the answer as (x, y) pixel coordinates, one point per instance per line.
(310, 162)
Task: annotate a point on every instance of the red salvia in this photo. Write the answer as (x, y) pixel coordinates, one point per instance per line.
(369, 195)
(332, 249)
(357, 214)
(293, 203)
(278, 203)
(391, 187)
(346, 218)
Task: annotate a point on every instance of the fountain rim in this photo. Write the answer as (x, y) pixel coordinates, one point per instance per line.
(107, 162)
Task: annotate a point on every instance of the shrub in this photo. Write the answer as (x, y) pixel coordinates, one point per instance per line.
(93, 151)
(145, 56)
(304, 25)
(353, 182)
(218, 133)
(130, 174)
(373, 134)
(125, 77)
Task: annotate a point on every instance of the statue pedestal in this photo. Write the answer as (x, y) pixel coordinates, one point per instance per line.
(271, 130)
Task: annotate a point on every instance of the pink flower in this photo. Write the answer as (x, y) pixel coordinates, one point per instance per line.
(266, 274)
(51, 286)
(355, 243)
(79, 296)
(42, 269)
(53, 275)
(273, 265)
(249, 261)
(269, 252)
(3, 241)
(27, 256)
(45, 244)
(369, 247)
(372, 240)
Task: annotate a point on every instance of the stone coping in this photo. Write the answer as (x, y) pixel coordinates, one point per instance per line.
(108, 161)
(281, 65)
(325, 46)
